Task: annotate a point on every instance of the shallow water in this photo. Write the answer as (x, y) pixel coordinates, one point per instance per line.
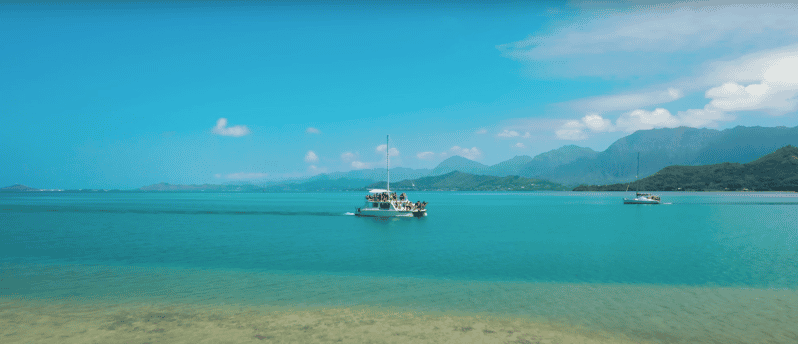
(709, 267)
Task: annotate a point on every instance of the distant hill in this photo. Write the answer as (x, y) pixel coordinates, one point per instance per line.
(458, 163)
(202, 188)
(459, 181)
(18, 188)
(660, 148)
(374, 174)
(340, 184)
(777, 171)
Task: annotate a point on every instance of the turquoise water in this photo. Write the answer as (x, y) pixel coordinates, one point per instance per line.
(707, 267)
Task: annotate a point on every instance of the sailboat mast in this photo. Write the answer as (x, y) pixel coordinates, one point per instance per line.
(388, 160)
(637, 174)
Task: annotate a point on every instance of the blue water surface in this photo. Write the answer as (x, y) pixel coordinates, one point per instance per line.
(720, 239)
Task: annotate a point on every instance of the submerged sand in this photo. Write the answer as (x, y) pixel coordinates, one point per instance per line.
(65, 321)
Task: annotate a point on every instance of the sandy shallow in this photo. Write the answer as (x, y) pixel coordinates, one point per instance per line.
(65, 321)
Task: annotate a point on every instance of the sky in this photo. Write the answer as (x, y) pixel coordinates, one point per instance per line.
(122, 95)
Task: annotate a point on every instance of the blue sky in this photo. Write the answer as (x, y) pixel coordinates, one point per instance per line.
(110, 95)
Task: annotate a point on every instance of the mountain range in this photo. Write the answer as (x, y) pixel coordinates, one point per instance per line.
(568, 165)
(459, 181)
(777, 171)
(574, 165)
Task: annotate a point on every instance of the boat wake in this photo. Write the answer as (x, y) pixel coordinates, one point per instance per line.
(349, 214)
(166, 211)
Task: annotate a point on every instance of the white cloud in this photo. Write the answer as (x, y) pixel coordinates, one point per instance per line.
(311, 157)
(512, 133)
(359, 165)
(644, 120)
(533, 125)
(626, 101)
(652, 39)
(576, 130)
(312, 130)
(597, 123)
(244, 176)
(774, 64)
(481, 131)
(381, 149)
(471, 154)
(221, 128)
(508, 133)
(706, 117)
(572, 130)
(425, 155)
(519, 145)
(348, 156)
(774, 87)
(658, 28)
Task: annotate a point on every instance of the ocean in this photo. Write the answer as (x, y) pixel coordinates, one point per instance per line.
(560, 266)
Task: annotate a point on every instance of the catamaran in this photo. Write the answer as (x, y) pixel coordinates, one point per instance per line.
(384, 203)
(640, 198)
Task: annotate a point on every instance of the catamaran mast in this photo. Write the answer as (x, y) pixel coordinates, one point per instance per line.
(637, 174)
(388, 160)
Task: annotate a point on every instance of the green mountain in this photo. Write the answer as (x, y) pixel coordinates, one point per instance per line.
(777, 171)
(459, 181)
(458, 163)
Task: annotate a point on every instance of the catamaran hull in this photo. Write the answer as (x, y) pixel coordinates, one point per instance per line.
(391, 213)
(636, 201)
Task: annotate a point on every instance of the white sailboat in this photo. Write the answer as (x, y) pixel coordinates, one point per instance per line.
(384, 203)
(640, 198)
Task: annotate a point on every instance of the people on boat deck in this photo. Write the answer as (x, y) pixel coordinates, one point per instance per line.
(403, 203)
